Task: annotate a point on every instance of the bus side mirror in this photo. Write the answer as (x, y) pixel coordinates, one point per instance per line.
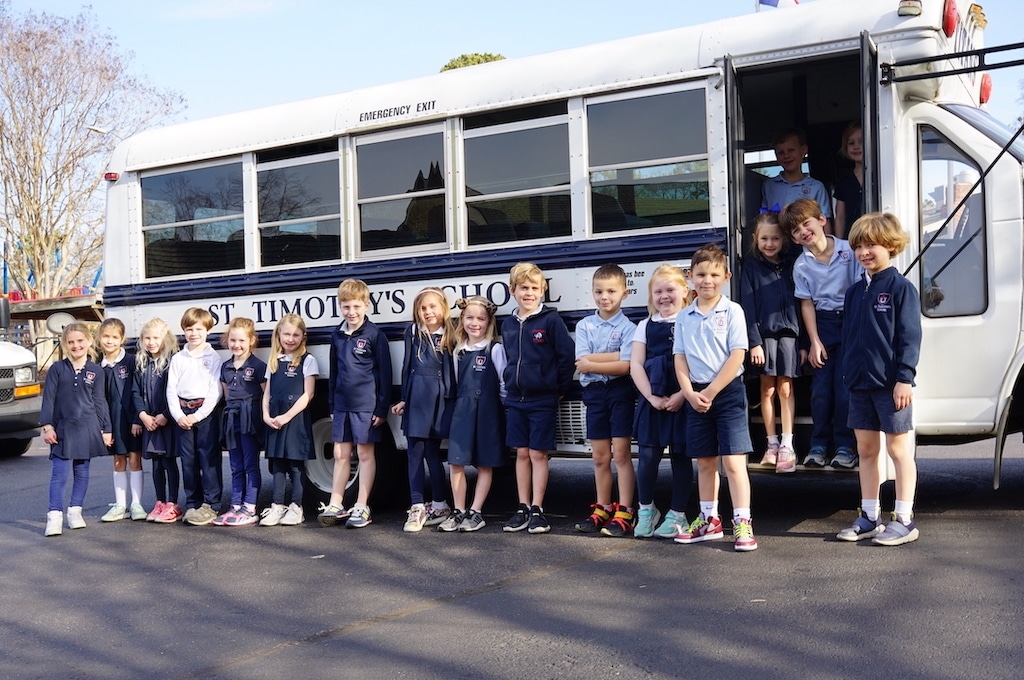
(5, 312)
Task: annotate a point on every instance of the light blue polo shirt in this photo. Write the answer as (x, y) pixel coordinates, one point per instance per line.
(595, 335)
(707, 340)
(826, 284)
(776, 190)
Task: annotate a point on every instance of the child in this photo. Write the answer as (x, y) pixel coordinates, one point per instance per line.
(360, 387)
(193, 393)
(540, 366)
(790, 147)
(149, 395)
(242, 378)
(119, 366)
(425, 407)
(882, 341)
(292, 373)
(610, 398)
(476, 435)
(822, 274)
(660, 418)
(769, 305)
(75, 421)
(849, 193)
(710, 346)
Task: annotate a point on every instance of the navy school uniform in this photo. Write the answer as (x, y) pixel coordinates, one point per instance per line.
(294, 441)
(426, 386)
(652, 427)
(120, 377)
(149, 394)
(477, 432)
(75, 403)
(770, 307)
(243, 403)
(360, 371)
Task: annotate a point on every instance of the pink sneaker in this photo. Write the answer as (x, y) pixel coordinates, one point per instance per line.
(155, 512)
(770, 455)
(786, 460)
(172, 513)
(743, 530)
(701, 529)
(225, 519)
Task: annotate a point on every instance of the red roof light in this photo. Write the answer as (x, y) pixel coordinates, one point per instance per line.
(111, 176)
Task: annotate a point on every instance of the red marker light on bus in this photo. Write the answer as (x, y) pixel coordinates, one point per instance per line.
(985, 90)
(949, 18)
(111, 176)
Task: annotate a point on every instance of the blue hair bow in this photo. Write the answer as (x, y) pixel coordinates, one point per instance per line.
(775, 208)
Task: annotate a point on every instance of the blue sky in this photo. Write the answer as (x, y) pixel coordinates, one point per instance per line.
(231, 55)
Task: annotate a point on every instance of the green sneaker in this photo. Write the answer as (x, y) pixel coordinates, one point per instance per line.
(675, 523)
(138, 512)
(116, 513)
(646, 520)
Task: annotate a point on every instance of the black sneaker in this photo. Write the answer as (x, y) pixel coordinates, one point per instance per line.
(538, 523)
(520, 520)
(595, 521)
(473, 521)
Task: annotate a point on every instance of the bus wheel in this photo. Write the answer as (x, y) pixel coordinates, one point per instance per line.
(320, 471)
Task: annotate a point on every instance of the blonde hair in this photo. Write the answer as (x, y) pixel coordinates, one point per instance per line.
(168, 346)
(489, 308)
(882, 229)
(853, 127)
(276, 348)
(526, 271)
(673, 274)
(447, 325)
(79, 327)
(353, 289)
(241, 323)
(764, 219)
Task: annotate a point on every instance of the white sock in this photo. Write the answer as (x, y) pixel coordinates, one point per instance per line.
(904, 511)
(709, 509)
(787, 439)
(773, 439)
(121, 489)
(740, 513)
(870, 508)
(135, 478)
(439, 505)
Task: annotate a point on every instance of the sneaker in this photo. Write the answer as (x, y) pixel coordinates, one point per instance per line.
(436, 515)
(844, 458)
(595, 521)
(771, 455)
(743, 531)
(518, 521)
(675, 523)
(54, 523)
(115, 513)
(331, 515)
(240, 518)
(646, 520)
(472, 521)
(701, 529)
(416, 517)
(293, 516)
(222, 520)
(138, 513)
(190, 514)
(815, 458)
(786, 460)
(272, 516)
(621, 524)
(538, 522)
(896, 533)
(861, 528)
(203, 515)
(452, 522)
(75, 519)
(155, 512)
(358, 518)
(171, 513)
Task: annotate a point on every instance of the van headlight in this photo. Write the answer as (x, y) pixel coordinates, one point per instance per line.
(24, 375)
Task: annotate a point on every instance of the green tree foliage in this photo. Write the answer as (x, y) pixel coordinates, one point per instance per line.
(471, 60)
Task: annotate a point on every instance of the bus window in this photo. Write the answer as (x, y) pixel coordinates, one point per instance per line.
(517, 179)
(401, 191)
(299, 210)
(188, 218)
(648, 161)
(953, 272)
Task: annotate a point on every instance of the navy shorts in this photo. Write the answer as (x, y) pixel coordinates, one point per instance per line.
(875, 410)
(723, 430)
(610, 408)
(354, 427)
(781, 357)
(531, 424)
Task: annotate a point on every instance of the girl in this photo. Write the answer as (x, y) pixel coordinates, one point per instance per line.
(849, 193)
(292, 374)
(426, 389)
(660, 419)
(243, 378)
(767, 293)
(124, 422)
(149, 395)
(477, 434)
(74, 412)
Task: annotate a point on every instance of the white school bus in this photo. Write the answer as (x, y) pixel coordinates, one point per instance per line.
(636, 151)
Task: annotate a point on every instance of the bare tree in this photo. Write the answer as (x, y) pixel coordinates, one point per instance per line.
(59, 77)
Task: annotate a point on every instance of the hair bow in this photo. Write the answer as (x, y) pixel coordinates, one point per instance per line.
(775, 208)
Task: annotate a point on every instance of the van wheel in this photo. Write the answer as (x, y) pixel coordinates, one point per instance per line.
(320, 471)
(10, 448)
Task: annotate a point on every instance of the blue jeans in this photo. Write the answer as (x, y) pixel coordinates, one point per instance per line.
(59, 479)
(245, 469)
(830, 400)
(647, 475)
(429, 451)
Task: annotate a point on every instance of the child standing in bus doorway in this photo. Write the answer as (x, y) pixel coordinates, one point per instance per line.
(359, 391)
(603, 343)
(709, 347)
(790, 147)
(291, 374)
(882, 343)
(477, 433)
(660, 419)
(119, 366)
(773, 329)
(193, 393)
(540, 366)
(425, 407)
(149, 396)
(242, 378)
(849, 193)
(822, 274)
(75, 421)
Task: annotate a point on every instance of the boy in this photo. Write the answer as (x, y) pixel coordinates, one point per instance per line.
(359, 391)
(710, 345)
(540, 367)
(193, 393)
(792, 183)
(882, 343)
(603, 342)
(822, 273)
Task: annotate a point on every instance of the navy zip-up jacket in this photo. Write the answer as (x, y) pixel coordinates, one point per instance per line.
(881, 332)
(360, 374)
(541, 356)
(768, 297)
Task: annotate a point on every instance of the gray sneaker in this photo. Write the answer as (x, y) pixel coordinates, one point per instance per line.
(273, 515)
(452, 522)
(844, 458)
(815, 458)
(473, 521)
(896, 533)
(331, 515)
(861, 528)
(203, 515)
(358, 518)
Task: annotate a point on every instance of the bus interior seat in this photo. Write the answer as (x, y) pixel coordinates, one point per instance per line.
(168, 257)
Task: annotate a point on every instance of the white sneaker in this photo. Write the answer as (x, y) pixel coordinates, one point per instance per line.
(116, 514)
(54, 523)
(416, 519)
(273, 515)
(293, 516)
(75, 520)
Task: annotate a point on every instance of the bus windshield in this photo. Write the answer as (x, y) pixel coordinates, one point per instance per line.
(992, 128)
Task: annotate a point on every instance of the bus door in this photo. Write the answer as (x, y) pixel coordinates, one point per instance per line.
(735, 144)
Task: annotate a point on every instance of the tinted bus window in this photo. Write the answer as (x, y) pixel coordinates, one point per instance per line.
(299, 213)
